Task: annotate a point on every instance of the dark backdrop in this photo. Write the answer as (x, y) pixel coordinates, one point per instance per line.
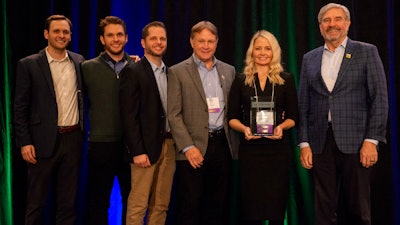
(294, 23)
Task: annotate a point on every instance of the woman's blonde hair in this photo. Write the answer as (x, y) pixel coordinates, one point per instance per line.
(275, 67)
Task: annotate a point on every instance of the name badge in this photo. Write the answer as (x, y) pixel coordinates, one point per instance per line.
(213, 105)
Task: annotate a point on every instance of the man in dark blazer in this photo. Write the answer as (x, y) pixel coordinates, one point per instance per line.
(198, 89)
(48, 114)
(343, 108)
(143, 104)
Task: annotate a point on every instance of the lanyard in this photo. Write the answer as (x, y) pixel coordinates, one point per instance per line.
(256, 94)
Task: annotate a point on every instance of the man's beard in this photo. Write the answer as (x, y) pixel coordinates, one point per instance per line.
(149, 51)
(333, 38)
(116, 52)
(113, 52)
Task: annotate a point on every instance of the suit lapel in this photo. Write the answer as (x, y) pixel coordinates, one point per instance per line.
(45, 67)
(347, 57)
(221, 71)
(77, 64)
(148, 70)
(317, 68)
(191, 68)
(77, 70)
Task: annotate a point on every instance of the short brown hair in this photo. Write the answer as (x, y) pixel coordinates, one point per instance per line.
(111, 20)
(145, 30)
(56, 17)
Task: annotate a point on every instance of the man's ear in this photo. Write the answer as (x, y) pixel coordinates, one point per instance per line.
(46, 34)
(102, 40)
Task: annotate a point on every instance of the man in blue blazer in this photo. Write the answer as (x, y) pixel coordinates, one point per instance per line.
(48, 117)
(343, 109)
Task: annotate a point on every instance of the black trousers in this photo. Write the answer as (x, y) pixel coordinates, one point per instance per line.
(338, 176)
(105, 162)
(57, 175)
(201, 193)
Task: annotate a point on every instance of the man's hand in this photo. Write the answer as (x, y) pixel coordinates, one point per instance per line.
(195, 158)
(368, 154)
(141, 161)
(306, 157)
(135, 58)
(29, 154)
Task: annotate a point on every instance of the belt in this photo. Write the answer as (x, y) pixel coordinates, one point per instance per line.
(216, 133)
(167, 135)
(67, 129)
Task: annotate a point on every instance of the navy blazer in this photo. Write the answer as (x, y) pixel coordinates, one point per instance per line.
(143, 117)
(35, 105)
(358, 101)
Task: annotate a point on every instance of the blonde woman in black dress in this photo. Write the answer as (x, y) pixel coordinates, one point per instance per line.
(264, 161)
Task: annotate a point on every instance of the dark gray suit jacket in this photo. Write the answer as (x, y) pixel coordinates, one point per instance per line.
(187, 105)
(35, 105)
(358, 101)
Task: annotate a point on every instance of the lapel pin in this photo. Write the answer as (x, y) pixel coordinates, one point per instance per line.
(348, 56)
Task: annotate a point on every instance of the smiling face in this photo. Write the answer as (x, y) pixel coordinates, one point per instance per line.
(262, 52)
(58, 35)
(334, 26)
(114, 39)
(155, 44)
(204, 44)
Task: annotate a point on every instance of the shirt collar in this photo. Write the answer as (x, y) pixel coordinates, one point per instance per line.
(201, 63)
(108, 58)
(51, 59)
(154, 67)
(343, 44)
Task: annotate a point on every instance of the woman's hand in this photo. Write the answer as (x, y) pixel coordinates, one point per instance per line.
(278, 133)
(248, 135)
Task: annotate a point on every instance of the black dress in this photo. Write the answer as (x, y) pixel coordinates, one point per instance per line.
(264, 164)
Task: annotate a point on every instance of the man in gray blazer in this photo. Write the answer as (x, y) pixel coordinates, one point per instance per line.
(343, 109)
(48, 118)
(198, 89)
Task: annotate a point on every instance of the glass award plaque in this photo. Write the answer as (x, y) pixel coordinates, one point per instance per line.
(262, 116)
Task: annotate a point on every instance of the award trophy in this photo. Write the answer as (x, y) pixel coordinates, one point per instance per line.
(262, 116)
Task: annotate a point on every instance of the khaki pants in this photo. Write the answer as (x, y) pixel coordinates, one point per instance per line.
(151, 189)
